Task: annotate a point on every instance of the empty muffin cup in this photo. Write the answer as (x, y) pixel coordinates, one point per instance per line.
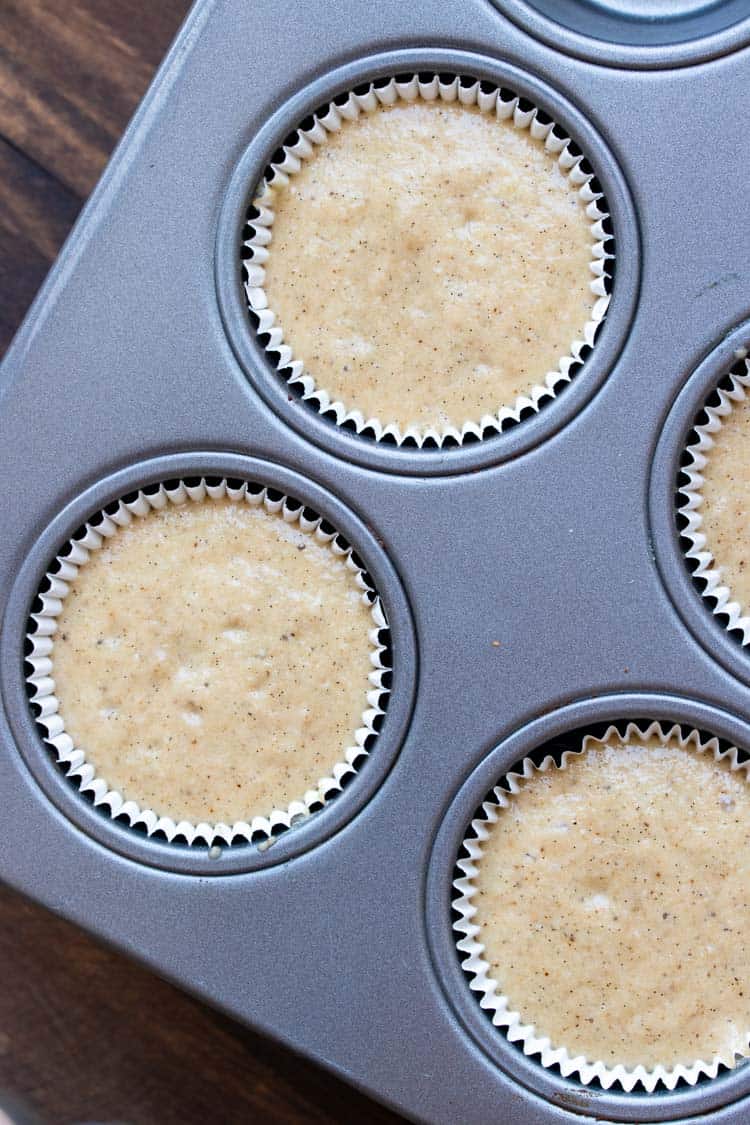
(428, 260)
(207, 661)
(601, 906)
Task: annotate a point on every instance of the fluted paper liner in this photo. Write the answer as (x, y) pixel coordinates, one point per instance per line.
(708, 568)
(41, 684)
(505, 105)
(490, 997)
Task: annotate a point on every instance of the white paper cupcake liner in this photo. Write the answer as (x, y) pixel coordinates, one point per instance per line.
(505, 105)
(707, 569)
(40, 660)
(471, 950)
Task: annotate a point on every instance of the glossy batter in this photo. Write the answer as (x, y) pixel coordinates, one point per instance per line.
(429, 264)
(726, 509)
(614, 904)
(212, 661)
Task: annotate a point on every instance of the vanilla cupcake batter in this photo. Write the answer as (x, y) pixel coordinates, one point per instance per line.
(614, 905)
(212, 661)
(429, 264)
(725, 509)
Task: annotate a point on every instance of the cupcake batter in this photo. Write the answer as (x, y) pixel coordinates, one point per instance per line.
(725, 510)
(429, 264)
(212, 661)
(614, 904)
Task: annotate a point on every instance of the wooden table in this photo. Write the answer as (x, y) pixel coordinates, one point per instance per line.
(86, 1035)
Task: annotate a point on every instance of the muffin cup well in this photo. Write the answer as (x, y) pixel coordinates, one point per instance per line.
(40, 660)
(470, 949)
(707, 569)
(489, 99)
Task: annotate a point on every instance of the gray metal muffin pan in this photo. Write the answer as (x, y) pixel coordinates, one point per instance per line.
(557, 538)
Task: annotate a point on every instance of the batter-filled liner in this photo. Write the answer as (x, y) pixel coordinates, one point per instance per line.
(312, 382)
(547, 972)
(301, 523)
(713, 513)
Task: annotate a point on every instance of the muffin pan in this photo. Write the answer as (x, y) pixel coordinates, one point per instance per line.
(534, 582)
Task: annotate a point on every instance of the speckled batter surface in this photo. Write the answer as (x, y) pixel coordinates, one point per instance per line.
(429, 264)
(614, 904)
(213, 661)
(726, 502)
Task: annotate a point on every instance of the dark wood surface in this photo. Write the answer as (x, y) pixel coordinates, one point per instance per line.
(86, 1035)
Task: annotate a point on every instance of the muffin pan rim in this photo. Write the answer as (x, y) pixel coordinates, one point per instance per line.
(728, 1088)
(194, 858)
(670, 559)
(667, 56)
(555, 414)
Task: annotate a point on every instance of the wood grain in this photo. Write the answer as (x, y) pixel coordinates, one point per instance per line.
(86, 1035)
(36, 213)
(71, 75)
